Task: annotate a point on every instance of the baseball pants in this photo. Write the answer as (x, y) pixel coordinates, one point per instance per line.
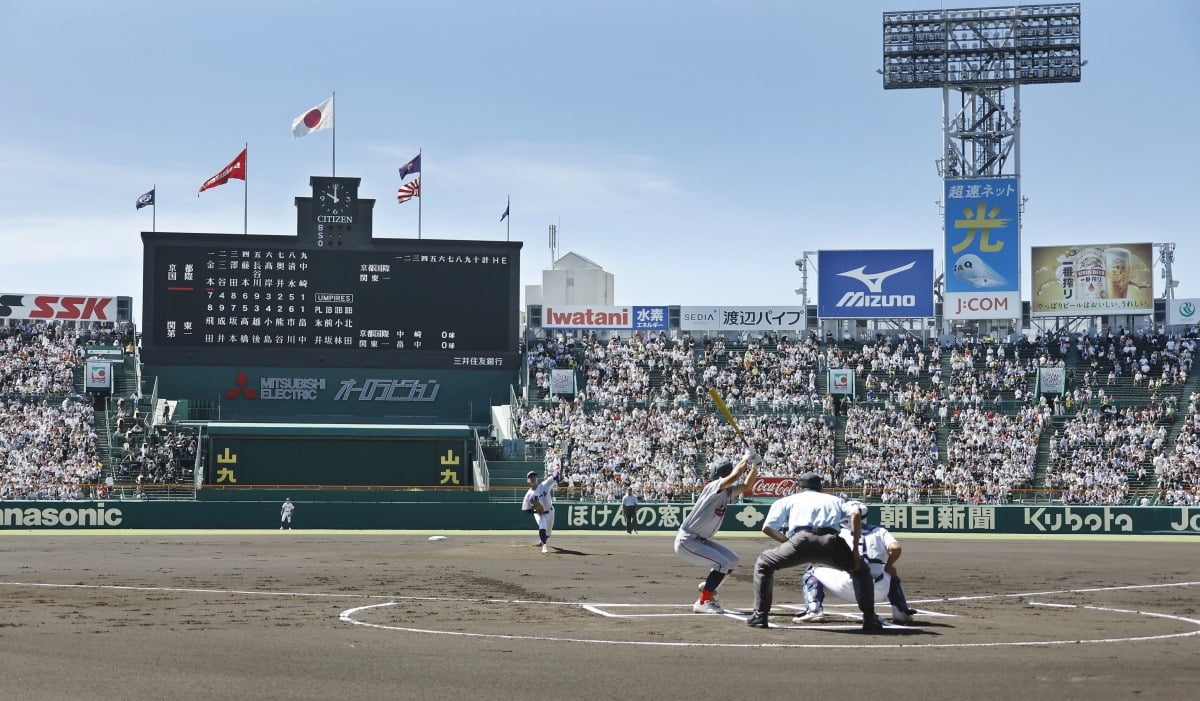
(809, 548)
(705, 552)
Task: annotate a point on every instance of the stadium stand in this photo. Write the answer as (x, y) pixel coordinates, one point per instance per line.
(952, 422)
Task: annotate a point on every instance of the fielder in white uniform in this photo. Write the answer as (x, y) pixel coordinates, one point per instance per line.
(285, 513)
(694, 541)
(880, 550)
(539, 502)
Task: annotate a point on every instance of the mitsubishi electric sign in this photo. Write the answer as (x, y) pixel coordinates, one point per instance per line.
(875, 284)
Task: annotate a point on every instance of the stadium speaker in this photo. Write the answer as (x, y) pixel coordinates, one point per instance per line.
(673, 315)
(1160, 311)
(1026, 320)
(125, 309)
(535, 316)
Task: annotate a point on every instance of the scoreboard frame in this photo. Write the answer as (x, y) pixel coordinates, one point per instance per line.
(500, 351)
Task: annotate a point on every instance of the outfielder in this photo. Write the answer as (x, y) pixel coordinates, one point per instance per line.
(805, 525)
(880, 550)
(538, 501)
(694, 541)
(285, 513)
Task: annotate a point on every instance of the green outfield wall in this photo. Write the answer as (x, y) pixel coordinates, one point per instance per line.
(436, 511)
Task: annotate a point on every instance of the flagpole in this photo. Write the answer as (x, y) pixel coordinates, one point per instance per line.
(154, 212)
(508, 218)
(420, 198)
(246, 190)
(333, 103)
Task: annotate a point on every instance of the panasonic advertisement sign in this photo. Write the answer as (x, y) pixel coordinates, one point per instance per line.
(875, 284)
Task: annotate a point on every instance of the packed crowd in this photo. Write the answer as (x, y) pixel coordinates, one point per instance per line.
(48, 442)
(163, 456)
(641, 416)
(1178, 474)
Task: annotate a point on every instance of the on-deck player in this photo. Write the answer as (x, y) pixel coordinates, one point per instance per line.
(880, 550)
(694, 541)
(539, 502)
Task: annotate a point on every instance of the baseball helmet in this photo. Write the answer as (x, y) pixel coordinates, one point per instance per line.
(531, 473)
(853, 506)
(810, 480)
(720, 469)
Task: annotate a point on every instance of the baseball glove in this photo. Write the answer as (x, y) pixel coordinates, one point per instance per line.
(538, 508)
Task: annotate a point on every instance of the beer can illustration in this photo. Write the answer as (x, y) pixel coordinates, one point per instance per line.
(1090, 274)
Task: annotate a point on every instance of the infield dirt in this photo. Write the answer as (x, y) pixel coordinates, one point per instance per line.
(301, 615)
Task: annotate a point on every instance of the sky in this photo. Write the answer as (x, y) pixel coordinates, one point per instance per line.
(693, 148)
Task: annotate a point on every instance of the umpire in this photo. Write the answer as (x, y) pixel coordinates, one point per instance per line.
(806, 526)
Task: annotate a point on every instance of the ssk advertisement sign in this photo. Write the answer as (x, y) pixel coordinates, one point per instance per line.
(875, 284)
(60, 307)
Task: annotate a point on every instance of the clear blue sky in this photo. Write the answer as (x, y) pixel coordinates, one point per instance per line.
(693, 148)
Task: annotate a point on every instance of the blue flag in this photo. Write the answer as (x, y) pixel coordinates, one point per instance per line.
(505, 215)
(410, 168)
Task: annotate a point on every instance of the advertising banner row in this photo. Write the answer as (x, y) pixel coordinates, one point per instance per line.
(318, 511)
(1079, 280)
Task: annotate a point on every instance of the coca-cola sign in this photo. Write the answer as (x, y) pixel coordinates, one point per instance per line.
(773, 486)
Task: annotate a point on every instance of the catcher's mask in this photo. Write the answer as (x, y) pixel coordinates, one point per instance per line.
(720, 470)
(810, 480)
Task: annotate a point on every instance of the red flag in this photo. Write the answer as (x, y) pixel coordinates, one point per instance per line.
(409, 190)
(236, 169)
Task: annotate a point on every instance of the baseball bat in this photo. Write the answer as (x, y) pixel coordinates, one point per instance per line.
(716, 397)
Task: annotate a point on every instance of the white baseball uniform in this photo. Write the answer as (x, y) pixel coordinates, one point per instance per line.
(542, 493)
(873, 545)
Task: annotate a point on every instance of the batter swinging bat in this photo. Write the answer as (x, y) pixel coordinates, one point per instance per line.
(728, 416)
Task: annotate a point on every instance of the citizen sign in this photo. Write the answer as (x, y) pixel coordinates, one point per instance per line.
(57, 307)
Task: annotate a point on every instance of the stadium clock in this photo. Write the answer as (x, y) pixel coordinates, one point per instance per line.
(337, 200)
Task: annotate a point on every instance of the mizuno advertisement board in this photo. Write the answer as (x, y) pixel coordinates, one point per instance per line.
(983, 249)
(875, 284)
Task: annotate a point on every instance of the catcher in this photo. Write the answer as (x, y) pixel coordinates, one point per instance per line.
(538, 502)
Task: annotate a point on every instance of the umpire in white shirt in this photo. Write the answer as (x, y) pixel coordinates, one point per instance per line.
(806, 525)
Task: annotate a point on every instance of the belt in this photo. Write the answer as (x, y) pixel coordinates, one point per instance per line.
(814, 531)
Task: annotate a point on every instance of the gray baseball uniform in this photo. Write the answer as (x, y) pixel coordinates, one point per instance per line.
(694, 541)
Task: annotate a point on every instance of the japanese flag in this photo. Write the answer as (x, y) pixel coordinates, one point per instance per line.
(315, 119)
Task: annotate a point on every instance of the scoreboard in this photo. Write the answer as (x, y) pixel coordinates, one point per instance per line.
(280, 300)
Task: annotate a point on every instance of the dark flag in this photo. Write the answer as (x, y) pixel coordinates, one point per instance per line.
(410, 168)
(146, 200)
(505, 215)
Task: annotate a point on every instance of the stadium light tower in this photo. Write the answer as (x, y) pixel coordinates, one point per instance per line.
(982, 54)
(980, 58)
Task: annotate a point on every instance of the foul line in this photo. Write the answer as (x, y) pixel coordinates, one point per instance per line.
(347, 616)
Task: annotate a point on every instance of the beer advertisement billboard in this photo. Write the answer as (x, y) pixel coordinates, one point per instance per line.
(1091, 279)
